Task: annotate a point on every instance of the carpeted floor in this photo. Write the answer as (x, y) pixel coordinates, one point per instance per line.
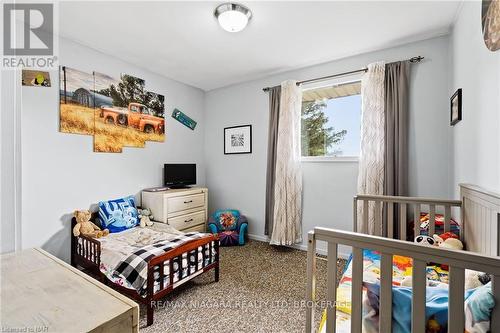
(260, 290)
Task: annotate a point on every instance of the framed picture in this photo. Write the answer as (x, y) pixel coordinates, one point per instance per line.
(456, 107)
(238, 140)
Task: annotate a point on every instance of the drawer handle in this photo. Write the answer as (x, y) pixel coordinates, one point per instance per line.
(186, 202)
(190, 220)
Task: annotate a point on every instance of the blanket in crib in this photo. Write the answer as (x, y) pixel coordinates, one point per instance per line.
(478, 304)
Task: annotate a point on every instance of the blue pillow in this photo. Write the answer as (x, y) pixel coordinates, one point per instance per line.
(119, 214)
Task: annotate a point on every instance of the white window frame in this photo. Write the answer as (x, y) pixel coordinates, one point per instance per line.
(321, 84)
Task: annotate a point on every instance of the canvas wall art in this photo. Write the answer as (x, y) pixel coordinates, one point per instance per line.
(118, 112)
(490, 17)
(34, 78)
(76, 102)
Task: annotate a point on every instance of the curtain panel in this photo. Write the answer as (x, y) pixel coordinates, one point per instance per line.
(372, 156)
(287, 218)
(274, 109)
(396, 133)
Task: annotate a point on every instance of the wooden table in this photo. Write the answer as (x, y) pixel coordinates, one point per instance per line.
(41, 293)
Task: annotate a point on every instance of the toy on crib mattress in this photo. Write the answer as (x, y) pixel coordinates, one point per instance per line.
(448, 240)
(145, 217)
(425, 240)
(85, 227)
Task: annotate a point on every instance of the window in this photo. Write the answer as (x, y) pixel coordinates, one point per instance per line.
(331, 121)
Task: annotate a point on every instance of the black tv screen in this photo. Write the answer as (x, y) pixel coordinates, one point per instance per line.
(179, 175)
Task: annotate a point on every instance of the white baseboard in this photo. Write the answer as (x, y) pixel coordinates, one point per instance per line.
(302, 247)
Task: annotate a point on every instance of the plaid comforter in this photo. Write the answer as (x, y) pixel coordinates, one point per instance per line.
(133, 268)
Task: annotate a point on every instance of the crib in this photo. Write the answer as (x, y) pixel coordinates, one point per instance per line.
(480, 216)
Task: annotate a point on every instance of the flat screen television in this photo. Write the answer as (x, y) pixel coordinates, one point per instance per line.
(179, 175)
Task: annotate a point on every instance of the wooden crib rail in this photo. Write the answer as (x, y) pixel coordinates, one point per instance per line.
(385, 227)
(458, 261)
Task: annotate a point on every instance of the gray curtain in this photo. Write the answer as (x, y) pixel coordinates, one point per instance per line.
(274, 108)
(396, 131)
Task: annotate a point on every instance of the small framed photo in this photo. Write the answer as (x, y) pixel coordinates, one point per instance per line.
(238, 140)
(456, 107)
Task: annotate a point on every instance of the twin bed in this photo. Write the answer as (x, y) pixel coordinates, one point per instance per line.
(146, 263)
(369, 297)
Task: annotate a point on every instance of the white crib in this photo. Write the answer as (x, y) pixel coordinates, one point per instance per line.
(480, 217)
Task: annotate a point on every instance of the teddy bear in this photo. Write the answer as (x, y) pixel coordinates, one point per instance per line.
(85, 227)
(145, 217)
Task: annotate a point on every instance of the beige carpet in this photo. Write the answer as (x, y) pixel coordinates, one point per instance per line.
(260, 290)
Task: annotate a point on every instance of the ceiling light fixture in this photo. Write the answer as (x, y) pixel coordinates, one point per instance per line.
(232, 17)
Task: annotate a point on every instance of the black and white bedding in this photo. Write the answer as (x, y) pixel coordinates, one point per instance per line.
(125, 255)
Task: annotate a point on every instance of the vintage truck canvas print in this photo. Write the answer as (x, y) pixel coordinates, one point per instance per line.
(123, 113)
(76, 102)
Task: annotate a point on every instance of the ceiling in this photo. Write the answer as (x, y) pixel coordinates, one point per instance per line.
(182, 40)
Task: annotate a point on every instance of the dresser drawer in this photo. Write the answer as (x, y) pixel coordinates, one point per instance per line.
(177, 204)
(198, 228)
(188, 220)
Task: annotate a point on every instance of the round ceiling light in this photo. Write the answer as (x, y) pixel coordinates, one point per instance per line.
(232, 17)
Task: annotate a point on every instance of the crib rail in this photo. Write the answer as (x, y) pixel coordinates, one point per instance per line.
(403, 206)
(458, 261)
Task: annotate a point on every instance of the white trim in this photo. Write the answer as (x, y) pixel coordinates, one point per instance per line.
(18, 160)
(301, 247)
(329, 159)
(336, 81)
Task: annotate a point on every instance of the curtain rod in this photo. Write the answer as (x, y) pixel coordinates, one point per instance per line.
(412, 60)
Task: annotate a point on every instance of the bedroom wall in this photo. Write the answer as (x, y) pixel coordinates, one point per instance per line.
(238, 181)
(60, 172)
(475, 69)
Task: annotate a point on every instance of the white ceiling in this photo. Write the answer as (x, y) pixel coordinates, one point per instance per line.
(182, 40)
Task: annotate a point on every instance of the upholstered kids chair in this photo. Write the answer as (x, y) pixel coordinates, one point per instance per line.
(230, 225)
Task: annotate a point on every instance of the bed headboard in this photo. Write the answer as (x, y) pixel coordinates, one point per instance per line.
(480, 217)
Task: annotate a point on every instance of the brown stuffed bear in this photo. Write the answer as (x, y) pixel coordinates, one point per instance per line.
(85, 227)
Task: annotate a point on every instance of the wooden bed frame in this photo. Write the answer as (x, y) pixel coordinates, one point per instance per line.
(86, 253)
(480, 217)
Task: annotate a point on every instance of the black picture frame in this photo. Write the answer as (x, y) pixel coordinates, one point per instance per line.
(456, 100)
(249, 151)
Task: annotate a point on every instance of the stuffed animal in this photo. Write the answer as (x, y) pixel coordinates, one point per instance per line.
(145, 217)
(472, 279)
(425, 240)
(448, 242)
(85, 227)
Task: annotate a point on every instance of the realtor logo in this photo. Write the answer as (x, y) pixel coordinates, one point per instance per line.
(35, 37)
(29, 36)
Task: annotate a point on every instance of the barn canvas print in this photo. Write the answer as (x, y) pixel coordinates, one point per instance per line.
(117, 112)
(129, 117)
(76, 103)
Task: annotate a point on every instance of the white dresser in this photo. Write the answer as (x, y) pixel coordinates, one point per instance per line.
(183, 209)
